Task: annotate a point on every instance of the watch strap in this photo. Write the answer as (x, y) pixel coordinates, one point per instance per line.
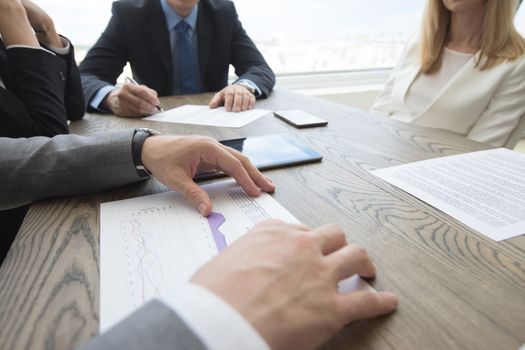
(139, 136)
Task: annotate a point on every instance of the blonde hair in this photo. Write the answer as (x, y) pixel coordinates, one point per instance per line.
(500, 41)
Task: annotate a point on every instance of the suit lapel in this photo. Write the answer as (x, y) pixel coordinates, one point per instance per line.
(159, 35)
(204, 37)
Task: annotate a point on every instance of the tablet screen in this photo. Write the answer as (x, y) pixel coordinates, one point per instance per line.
(268, 152)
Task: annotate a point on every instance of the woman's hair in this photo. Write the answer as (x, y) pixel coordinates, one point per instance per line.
(500, 41)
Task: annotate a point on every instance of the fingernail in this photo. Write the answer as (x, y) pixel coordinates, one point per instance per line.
(270, 180)
(202, 209)
(392, 298)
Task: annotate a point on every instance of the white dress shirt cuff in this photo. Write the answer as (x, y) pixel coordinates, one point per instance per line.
(218, 325)
(29, 47)
(101, 94)
(62, 50)
(251, 84)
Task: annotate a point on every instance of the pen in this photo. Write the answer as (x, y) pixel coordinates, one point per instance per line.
(134, 82)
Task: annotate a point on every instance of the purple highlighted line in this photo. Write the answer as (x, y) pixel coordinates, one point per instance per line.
(215, 220)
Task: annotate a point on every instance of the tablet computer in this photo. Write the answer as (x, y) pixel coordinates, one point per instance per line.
(267, 152)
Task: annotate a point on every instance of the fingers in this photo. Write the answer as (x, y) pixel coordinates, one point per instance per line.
(198, 198)
(235, 98)
(238, 99)
(229, 97)
(216, 101)
(246, 101)
(138, 100)
(366, 304)
(349, 260)
(260, 180)
(234, 167)
(332, 238)
(251, 102)
(145, 93)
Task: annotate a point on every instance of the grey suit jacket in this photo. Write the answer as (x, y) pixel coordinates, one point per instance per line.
(41, 167)
(153, 327)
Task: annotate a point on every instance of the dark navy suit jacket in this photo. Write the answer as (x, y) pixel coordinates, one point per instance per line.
(137, 32)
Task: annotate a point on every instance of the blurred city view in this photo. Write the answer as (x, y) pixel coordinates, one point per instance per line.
(295, 36)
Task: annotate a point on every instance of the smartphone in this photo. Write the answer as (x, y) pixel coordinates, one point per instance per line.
(300, 119)
(267, 152)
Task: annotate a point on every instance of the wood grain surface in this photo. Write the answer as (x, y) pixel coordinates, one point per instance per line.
(458, 289)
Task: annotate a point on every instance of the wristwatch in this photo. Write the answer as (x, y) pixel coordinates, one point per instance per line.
(139, 136)
(250, 87)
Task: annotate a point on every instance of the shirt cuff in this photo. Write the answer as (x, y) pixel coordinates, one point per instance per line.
(251, 84)
(29, 47)
(101, 94)
(218, 325)
(62, 50)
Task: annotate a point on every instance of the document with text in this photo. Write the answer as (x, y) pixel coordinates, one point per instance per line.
(203, 115)
(484, 190)
(151, 245)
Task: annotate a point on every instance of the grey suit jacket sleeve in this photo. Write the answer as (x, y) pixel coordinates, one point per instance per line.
(153, 327)
(41, 167)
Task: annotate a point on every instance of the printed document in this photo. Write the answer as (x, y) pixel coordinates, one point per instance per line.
(203, 115)
(484, 190)
(150, 246)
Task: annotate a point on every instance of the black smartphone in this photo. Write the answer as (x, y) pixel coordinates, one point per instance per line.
(300, 119)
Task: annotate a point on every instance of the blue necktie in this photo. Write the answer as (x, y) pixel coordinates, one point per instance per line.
(187, 70)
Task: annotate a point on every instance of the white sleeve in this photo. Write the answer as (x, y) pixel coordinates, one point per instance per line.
(382, 102)
(503, 113)
(62, 50)
(218, 325)
(29, 47)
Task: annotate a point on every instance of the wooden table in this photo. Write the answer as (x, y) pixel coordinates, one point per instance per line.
(458, 289)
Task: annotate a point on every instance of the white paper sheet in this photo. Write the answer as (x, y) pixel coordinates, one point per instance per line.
(484, 190)
(149, 246)
(203, 115)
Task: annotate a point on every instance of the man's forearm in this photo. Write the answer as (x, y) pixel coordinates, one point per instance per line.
(40, 167)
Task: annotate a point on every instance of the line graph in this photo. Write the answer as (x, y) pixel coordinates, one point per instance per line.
(147, 272)
(152, 245)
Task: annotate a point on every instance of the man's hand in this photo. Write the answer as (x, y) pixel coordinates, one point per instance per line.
(131, 100)
(235, 98)
(283, 279)
(174, 161)
(42, 24)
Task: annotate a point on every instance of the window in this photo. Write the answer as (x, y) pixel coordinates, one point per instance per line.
(295, 36)
(317, 36)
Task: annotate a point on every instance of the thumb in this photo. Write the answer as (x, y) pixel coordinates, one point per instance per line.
(216, 100)
(196, 195)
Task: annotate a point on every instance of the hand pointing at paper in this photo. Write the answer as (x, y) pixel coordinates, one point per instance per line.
(174, 161)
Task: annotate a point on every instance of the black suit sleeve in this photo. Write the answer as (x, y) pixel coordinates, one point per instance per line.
(105, 60)
(34, 103)
(73, 95)
(248, 61)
